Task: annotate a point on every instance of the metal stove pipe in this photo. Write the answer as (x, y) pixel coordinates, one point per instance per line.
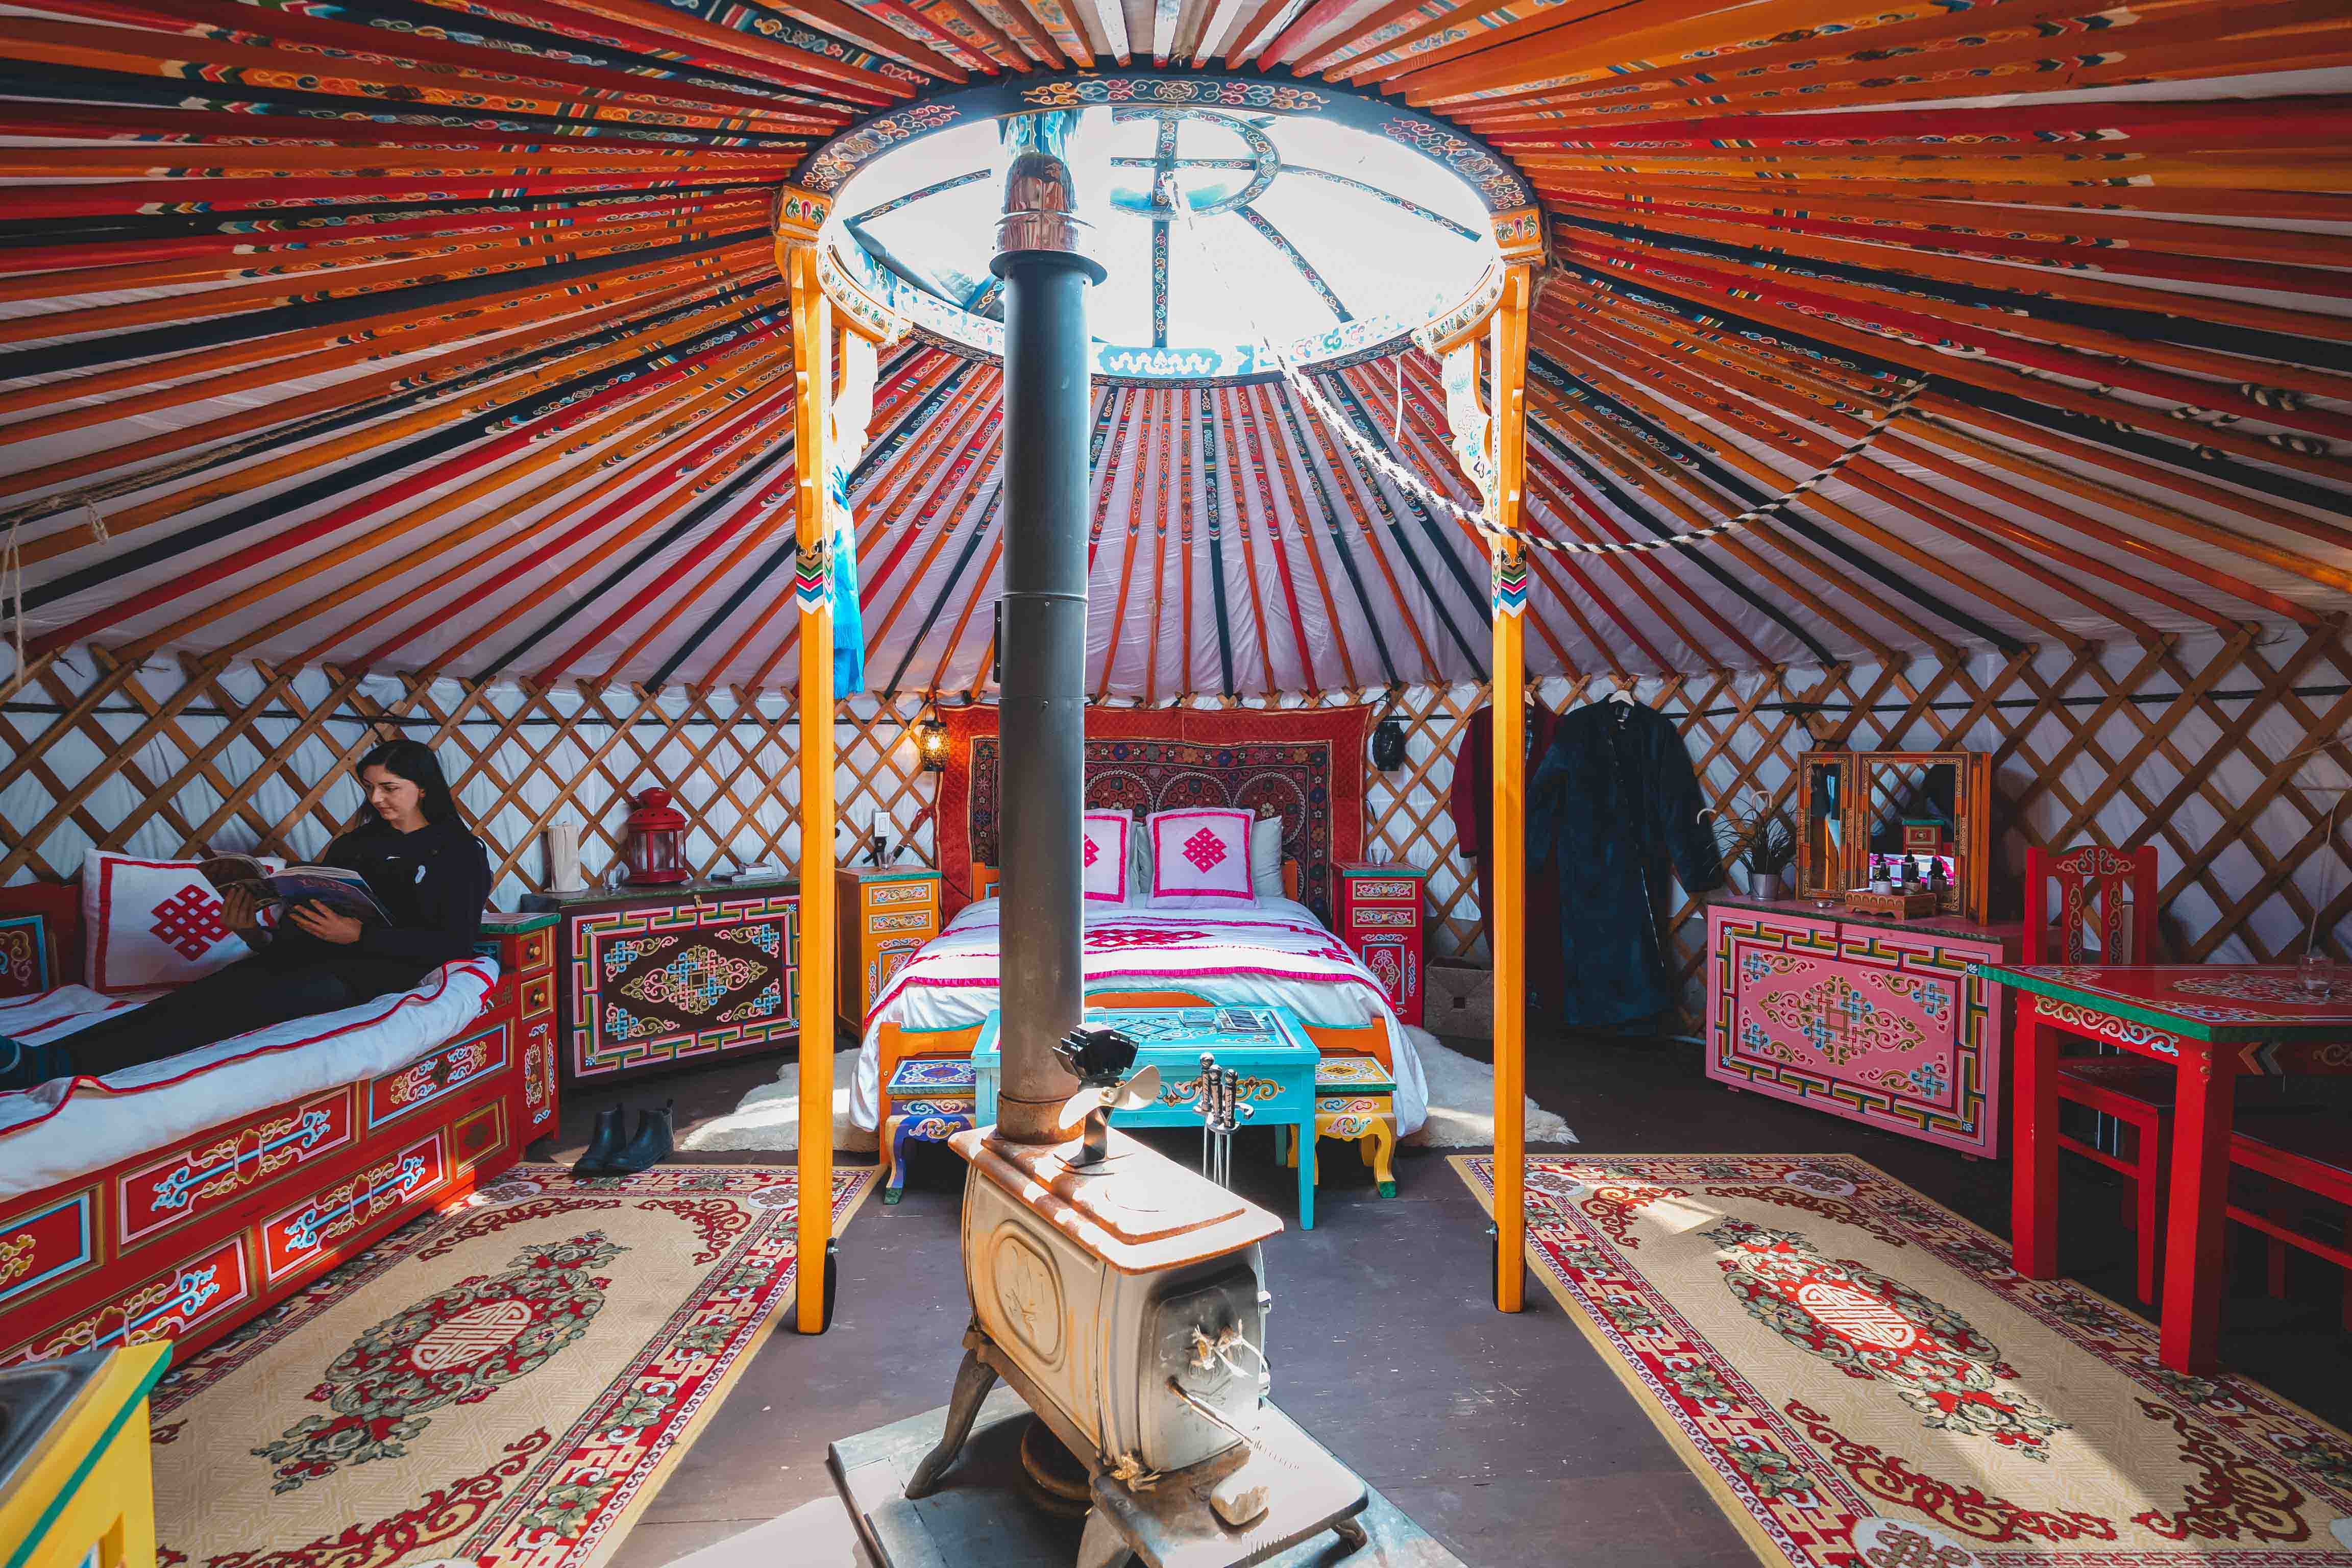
(1041, 256)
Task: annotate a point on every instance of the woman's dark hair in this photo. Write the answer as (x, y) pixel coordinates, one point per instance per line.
(413, 761)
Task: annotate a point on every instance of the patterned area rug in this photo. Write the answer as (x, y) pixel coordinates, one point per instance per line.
(1860, 1380)
(502, 1385)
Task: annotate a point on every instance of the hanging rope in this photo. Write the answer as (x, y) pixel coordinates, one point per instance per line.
(12, 595)
(1406, 479)
(12, 583)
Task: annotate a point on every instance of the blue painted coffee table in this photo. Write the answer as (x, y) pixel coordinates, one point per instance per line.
(1266, 1046)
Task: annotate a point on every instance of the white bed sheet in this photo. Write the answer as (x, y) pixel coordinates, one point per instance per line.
(72, 1127)
(1275, 952)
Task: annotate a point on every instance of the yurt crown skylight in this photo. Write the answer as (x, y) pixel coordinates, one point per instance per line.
(1231, 234)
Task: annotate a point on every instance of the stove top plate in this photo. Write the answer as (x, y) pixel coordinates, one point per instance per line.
(1149, 1214)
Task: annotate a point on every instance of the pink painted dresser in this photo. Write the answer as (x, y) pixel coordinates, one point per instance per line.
(1865, 1017)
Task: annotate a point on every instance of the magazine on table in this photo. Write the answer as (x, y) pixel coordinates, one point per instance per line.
(343, 892)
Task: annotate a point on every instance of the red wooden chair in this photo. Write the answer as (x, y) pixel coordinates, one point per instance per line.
(2104, 912)
(2312, 1154)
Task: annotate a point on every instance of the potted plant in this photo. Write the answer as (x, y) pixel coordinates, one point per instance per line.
(1760, 834)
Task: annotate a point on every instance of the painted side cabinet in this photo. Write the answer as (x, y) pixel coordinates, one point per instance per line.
(1380, 917)
(885, 912)
(1878, 1021)
(656, 977)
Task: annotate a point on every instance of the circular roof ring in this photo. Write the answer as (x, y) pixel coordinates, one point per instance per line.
(1241, 221)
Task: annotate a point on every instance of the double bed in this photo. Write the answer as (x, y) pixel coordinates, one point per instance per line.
(1304, 767)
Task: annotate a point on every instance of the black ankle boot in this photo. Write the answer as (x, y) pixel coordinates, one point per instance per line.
(603, 1144)
(650, 1147)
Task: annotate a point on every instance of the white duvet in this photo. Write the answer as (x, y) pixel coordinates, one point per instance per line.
(72, 1127)
(1275, 952)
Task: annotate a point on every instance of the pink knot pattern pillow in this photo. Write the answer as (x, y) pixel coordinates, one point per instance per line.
(151, 922)
(1103, 855)
(1200, 858)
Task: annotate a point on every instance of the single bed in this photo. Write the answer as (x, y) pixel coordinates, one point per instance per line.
(1274, 952)
(72, 1127)
(177, 1199)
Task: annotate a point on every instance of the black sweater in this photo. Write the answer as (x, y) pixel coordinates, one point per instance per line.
(432, 882)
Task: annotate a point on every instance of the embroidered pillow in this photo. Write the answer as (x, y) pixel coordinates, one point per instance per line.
(1200, 858)
(1265, 858)
(1103, 856)
(151, 922)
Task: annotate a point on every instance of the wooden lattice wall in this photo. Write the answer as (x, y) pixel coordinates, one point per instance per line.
(2226, 754)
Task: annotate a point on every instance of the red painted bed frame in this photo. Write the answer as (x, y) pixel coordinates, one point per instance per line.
(188, 1239)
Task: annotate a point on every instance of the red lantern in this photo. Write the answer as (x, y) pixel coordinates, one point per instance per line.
(656, 846)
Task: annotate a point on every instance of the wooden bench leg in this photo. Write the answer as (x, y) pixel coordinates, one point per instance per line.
(894, 1158)
(1379, 1147)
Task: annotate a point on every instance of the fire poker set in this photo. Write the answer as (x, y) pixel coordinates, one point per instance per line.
(1120, 1296)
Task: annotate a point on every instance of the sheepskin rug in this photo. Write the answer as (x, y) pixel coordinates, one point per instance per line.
(1462, 1102)
(767, 1119)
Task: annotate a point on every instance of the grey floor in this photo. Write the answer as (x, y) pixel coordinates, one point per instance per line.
(1505, 1437)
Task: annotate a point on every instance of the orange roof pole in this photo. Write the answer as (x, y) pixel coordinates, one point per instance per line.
(798, 215)
(1522, 248)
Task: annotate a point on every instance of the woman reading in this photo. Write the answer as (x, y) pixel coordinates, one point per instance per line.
(425, 869)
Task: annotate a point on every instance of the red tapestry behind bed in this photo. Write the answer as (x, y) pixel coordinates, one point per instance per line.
(1306, 765)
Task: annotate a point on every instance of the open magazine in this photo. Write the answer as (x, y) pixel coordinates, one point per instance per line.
(344, 892)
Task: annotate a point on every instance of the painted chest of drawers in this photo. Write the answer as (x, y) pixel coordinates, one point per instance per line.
(1380, 920)
(649, 978)
(1875, 1020)
(885, 912)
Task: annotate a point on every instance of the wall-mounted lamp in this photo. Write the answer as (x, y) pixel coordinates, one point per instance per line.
(1388, 745)
(931, 743)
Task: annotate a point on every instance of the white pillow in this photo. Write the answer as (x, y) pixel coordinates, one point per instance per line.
(1103, 856)
(150, 922)
(1200, 858)
(1265, 858)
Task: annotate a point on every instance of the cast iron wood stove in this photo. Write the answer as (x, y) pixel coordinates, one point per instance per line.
(1125, 1301)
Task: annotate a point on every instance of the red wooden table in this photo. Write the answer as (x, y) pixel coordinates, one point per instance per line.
(2214, 1023)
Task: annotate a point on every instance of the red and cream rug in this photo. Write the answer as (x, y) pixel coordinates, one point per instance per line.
(502, 1385)
(1861, 1381)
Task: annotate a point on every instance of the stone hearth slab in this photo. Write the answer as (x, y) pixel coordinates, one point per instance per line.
(980, 1517)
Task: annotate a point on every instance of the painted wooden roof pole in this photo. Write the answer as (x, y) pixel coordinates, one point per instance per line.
(798, 215)
(1509, 337)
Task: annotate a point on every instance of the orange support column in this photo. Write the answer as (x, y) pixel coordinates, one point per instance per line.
(799, 215)
(1508, 921)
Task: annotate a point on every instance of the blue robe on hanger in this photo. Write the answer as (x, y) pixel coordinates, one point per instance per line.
(1613, 803)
